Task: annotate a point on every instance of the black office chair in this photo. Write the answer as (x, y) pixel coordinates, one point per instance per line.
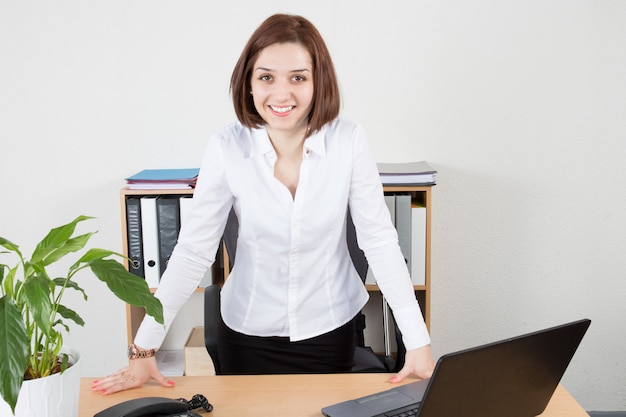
(364, 357)
(365, 360)
(211, 323)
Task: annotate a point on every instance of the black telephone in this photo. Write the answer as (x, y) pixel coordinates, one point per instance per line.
(148, 407)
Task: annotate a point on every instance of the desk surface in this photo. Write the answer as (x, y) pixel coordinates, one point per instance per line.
(278, 395)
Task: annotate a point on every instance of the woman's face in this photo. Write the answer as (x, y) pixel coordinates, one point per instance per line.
(282, 87)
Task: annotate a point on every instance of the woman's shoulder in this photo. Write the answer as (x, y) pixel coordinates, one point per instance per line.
(234, 137)
(344, 128)
(233, 131)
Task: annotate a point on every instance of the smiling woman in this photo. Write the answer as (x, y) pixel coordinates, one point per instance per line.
(284, 29)
(290, 169)
(282, 89)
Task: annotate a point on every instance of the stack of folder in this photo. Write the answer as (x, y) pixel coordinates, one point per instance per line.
(161, 179)
(407, 173)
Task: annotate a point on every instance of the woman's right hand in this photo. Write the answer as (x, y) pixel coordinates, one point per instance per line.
(137, 372)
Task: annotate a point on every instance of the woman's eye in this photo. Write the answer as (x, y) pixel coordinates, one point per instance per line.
(265, 78)
(299, 78)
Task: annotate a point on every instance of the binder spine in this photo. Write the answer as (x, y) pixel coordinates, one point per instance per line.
(149, 230)
(134, 236)
(168, 221)
(403, 226)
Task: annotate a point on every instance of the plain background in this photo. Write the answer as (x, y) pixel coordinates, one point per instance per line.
(519, 105)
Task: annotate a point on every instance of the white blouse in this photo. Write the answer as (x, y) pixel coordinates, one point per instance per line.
(293, 275)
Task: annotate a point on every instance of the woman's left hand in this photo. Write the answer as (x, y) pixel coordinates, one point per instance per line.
(418, 362)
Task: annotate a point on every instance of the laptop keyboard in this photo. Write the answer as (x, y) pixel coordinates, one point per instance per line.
(408, 411)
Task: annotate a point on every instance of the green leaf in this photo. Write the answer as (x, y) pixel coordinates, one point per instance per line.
(10, 246)
(70, 245)
(95, 254)
(128, 287)
(70, 314)
(14, 345)
(64, 282)
(55, 239)
(10, 275)
(65, 326)
(8, 280)
(65, 361)
(37, 295)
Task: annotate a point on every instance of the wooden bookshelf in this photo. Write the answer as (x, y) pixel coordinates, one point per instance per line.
(420, 194)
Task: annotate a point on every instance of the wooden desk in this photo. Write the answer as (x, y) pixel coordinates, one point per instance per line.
(278, 395)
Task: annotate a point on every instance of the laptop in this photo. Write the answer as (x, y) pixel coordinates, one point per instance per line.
(514, 377)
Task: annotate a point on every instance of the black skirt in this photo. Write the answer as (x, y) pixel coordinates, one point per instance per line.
(332, 352)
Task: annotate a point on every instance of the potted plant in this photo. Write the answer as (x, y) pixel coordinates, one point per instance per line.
(33, 318)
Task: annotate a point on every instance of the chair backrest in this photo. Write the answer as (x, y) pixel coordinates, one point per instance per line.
(212, 318)
(360, 264)
(365, 359)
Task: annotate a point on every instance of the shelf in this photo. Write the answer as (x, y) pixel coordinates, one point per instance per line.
(419, 194)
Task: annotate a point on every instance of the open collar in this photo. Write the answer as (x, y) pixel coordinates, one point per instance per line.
(260, 143)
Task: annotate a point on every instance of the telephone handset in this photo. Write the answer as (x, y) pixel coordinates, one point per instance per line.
(148, 407)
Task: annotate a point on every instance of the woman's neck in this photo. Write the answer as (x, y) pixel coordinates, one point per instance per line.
(288, 149)
(287, 144)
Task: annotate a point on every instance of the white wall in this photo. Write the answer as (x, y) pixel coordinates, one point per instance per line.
(519, 105)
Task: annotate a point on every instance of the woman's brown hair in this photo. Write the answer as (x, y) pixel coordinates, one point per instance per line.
(281, 28)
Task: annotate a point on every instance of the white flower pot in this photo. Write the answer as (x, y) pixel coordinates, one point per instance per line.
(53, 396)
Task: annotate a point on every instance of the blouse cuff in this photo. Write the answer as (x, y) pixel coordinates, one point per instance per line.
(416, 334)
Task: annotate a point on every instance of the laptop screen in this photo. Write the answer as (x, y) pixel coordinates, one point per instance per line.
(514, 377)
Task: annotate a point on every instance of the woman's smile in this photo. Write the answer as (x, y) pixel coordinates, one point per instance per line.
(282, 88)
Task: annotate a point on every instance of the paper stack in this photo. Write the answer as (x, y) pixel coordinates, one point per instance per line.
(405, 173)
